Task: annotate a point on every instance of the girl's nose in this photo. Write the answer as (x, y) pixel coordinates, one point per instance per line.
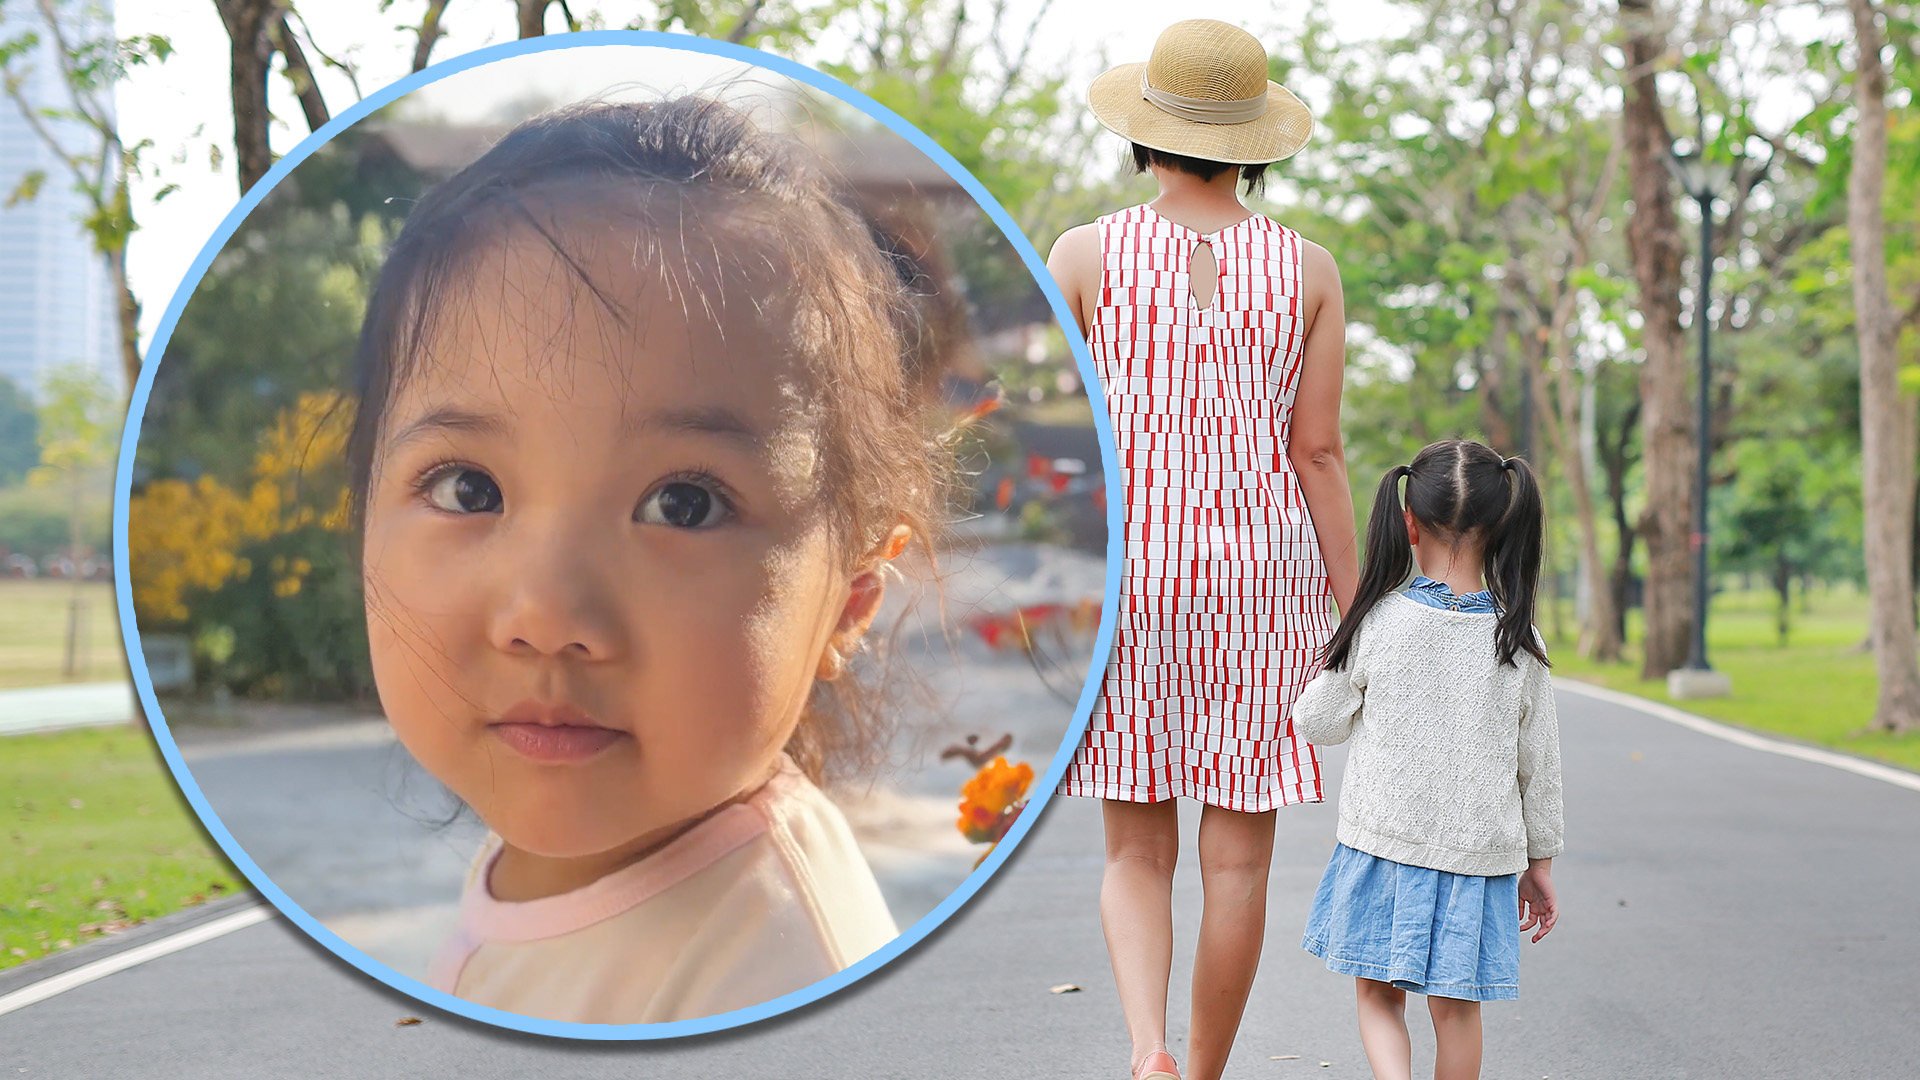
(555, 601)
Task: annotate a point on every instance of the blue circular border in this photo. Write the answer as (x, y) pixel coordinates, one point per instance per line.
(1045, 785)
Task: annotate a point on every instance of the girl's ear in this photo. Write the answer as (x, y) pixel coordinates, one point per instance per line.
(1413, 527)
(866, 591)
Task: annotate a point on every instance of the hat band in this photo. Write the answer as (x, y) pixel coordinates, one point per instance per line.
(1204, 110)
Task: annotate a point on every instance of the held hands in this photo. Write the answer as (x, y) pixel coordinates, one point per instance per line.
(1538, 905)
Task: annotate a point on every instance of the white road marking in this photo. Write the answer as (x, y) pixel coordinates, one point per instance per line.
(1742, 737)
(34, 993)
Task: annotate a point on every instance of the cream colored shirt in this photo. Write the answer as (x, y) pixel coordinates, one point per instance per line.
(1455, 763)
(765, 897)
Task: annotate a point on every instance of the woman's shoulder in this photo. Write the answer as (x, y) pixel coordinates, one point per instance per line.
(1316, 259)
(1076, 243)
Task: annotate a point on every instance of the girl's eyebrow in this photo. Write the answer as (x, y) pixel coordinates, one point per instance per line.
(714, 420)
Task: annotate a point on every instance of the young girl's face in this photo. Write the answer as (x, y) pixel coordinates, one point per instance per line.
(599, 578)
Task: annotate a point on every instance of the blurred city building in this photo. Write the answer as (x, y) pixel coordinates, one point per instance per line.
(57, 304)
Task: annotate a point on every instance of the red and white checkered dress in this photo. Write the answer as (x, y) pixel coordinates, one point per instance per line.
(1224, 601)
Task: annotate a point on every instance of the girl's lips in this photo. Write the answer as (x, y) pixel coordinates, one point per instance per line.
(555, 743)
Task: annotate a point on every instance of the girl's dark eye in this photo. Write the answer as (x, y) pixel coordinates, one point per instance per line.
(682, 505)
(465, 491)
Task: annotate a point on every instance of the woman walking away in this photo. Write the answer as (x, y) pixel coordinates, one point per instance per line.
(1218, 335)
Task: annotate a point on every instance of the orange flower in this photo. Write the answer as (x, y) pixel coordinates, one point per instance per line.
(977, 823)
(998, 785)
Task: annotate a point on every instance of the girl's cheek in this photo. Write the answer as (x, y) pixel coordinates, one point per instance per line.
(785, 629)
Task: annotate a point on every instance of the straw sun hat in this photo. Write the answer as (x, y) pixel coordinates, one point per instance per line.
(1204, 93)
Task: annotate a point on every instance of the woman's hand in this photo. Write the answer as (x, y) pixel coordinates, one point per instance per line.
(1538, 906)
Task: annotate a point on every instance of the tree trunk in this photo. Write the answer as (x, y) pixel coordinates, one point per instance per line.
(1653, 237)
(1563, 425)
(1613, 458)
(248, 24)
(76, 600)
(1887, 416)
(1783, 588)
(533, 17)
(1491, 387)
(129, 306)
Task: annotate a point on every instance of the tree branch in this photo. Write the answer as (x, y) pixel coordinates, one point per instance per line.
(744, 26)
(951, 48)
(345, 69)
(1019, 65)
(427, 34)
(312, 104)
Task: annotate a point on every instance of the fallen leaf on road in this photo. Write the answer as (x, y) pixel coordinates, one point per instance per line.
(1284, 1057)
(1326, 1064)
(406, 1021)
(1064, 988)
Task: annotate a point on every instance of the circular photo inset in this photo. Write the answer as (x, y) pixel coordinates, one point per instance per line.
(616, 538)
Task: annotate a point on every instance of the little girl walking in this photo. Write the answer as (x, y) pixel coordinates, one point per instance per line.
(1450, 812)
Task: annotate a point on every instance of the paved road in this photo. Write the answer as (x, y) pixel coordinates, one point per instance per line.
(44, 708)
(1729, 913)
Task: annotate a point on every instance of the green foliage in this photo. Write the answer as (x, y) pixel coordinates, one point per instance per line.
(1791, 512)
(34, 521)
(19, 432)
(309, 644)
(278, 313)
(79, 419)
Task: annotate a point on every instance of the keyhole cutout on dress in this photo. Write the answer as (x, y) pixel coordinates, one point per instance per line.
(1203, 275)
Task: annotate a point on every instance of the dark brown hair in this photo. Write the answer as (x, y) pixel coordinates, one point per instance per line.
(1254, 177)
(1456, 489)
(722, 201)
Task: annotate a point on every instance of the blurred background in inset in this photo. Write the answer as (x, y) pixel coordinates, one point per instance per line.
(251, 614)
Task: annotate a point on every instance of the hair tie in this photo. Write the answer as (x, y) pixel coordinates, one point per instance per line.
(1402, 470)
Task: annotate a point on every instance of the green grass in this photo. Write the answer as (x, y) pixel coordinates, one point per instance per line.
(96, 839)
(1819, 689)
(33, 633)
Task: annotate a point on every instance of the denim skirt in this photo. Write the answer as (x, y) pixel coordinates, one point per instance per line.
(1428, 931)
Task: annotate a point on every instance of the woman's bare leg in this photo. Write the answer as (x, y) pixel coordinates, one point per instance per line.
(1236, 852)
(1383, 1029)
(1456, 1035)
(1136, 911)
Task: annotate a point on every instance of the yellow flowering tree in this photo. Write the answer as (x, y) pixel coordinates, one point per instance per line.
(265, 569)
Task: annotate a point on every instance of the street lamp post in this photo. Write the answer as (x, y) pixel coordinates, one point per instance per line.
(1705, 181)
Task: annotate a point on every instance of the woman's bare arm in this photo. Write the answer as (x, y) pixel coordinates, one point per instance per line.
(1074, 263)
(1314, 446)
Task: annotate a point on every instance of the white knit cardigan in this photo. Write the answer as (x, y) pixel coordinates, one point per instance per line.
(1455, 763)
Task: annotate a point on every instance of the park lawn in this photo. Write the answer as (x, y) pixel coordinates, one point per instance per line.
(33, 633)
(1819, 689)
(94, 838)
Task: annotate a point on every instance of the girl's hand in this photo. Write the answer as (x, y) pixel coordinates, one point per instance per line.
(1538, 906)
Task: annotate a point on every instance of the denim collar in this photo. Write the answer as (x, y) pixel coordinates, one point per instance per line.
(1438, 594)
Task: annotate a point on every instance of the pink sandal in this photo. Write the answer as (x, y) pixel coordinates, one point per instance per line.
(1157, 1065)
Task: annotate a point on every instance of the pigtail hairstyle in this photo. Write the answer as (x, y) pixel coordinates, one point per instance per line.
(1389, 559)
(1512, 563)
